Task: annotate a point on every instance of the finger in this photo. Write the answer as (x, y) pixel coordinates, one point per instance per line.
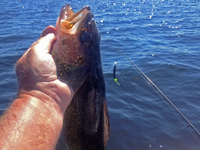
(49, 40)
(47, 30)
(45, 43)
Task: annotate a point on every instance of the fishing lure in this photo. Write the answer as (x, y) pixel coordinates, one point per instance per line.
(114, 70)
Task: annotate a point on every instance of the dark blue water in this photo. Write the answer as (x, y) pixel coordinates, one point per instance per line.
(162, 37)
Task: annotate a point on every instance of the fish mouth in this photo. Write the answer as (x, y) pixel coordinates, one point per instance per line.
(70, 21)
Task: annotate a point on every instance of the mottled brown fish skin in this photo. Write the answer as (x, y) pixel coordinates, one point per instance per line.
(86, 123)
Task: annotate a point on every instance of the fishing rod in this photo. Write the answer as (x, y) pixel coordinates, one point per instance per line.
(147, 79)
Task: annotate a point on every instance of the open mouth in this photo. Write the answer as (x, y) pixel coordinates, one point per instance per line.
(71, 20)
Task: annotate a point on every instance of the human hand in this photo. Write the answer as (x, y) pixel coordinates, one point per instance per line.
(36, 73)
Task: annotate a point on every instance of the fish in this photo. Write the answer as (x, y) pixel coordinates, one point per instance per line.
(86, 124)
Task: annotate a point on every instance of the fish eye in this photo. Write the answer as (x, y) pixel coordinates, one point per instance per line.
(86, 38)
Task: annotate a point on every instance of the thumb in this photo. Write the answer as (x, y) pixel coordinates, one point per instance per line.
(47, 38)
(47, 30)
(45, 43)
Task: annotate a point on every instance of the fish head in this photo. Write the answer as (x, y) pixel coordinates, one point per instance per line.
(77, 49)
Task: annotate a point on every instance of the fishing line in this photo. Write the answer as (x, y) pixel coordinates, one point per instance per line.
(156, 88)
(115, 79)
(115, 67)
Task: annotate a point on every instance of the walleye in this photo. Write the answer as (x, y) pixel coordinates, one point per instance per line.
(77, 55)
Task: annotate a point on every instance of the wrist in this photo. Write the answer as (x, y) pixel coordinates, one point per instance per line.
(42, 102)
(54, 95)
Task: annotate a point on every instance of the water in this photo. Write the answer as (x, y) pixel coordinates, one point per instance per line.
(160, 36)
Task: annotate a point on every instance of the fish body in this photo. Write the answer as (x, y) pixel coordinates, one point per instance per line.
(77, 55)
